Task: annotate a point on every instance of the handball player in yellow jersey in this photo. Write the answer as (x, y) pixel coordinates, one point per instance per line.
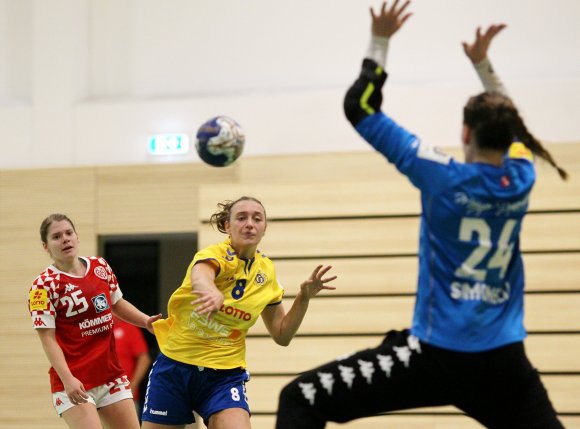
(201, 366)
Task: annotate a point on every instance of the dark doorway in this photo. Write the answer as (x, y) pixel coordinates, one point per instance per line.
(136, 265)
(149, 268)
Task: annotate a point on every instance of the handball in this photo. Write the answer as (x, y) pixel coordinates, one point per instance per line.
(220, 141)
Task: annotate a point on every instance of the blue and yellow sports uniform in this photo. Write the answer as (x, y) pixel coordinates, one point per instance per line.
(465, 346)
(248, 287)
(202, 362)
(471, 276)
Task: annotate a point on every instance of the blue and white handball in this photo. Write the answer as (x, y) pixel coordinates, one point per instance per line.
(220, 141)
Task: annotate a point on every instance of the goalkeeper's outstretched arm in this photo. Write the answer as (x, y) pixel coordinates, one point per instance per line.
(477, 54)
(364, 97)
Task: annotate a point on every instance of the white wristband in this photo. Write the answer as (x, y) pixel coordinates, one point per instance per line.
(377, 50)
(491, 81)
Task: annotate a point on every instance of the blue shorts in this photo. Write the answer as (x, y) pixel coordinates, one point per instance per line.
(176, 389)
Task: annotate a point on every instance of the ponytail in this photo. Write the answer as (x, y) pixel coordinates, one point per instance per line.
(495, 122)
(224, 212)
(523, 135)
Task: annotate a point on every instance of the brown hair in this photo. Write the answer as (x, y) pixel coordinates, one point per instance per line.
(495, 122)
(224, 212)
(55, 217)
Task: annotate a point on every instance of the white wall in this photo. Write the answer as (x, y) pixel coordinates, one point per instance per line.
(84, 82)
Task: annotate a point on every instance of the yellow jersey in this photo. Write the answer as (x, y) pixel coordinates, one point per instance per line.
(248, 287)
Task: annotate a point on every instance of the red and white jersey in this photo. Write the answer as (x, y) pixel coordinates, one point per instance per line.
(79, 309)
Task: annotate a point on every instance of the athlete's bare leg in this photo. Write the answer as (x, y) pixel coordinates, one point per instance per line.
(232, 418)
(83, 416)
(120, 415)
(149, 425)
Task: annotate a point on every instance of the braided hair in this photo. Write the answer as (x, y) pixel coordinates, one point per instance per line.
(495, 122)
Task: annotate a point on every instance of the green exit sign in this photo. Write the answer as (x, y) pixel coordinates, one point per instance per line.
(168, 144)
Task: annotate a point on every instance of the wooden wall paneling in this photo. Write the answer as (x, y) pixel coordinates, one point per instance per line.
(26, 389)
(570, 422)
(554, 231)
(552, 312)
(352, 315)
(554, 352)
(26, 198)
(393, 275)
(544, 312)
(326, 199)
(391, 236)
(21, 256)
(390, 422)
(30, 195)
(164, 198)
(550, 191)
(360, 276)
(263, 356)
(316, 168)
(395, 421)
(333, 237)
(153, 198)
(546, 272)
(564, 392)
(341, 172)
(566, 154)
(404, 422)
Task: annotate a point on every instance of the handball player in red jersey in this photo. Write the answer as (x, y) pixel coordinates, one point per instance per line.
(72, 303)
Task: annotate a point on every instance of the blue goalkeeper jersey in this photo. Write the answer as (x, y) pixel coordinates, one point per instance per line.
(471, 276)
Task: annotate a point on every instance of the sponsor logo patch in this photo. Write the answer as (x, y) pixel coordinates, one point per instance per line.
(38, 322)
(101, 273)
(261, 278)
(100, 302)
(38, 300)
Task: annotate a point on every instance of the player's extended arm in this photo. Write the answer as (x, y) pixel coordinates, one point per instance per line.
(477, 54)
(364, 97)
(123, 309)
(283, 326)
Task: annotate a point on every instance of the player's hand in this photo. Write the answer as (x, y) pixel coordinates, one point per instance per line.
(477, 51)
(388, 21)
(75, 390)
(208, 301)
(316, 282)
(150, 320)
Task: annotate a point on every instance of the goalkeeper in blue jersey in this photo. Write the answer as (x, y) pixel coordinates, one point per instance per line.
(465, 346)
